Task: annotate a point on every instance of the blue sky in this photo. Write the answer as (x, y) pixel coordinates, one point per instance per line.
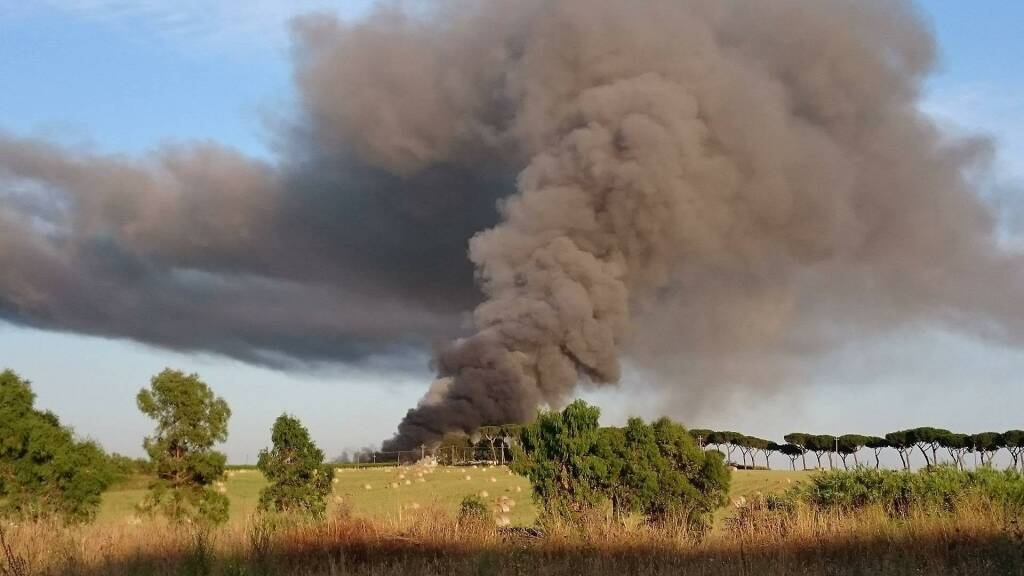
(125, 77)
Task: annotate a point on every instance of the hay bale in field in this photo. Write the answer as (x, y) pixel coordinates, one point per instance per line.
(483, 494)
(368, 487)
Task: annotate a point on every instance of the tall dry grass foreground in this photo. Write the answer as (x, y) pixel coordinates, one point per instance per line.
(972, 540)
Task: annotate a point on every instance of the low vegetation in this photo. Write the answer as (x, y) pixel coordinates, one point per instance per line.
(646, 497)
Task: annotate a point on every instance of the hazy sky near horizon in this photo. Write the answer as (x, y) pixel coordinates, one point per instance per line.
(125, 77)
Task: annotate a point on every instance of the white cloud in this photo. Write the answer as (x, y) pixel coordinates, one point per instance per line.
(199, 24)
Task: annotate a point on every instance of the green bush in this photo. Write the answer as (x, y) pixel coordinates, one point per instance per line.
(474, 512)
(899, 492)
(44, 470)
(654, 470)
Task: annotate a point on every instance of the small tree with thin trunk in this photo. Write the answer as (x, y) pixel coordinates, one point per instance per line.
(957, 445)
(927, 438)
(299, 480)
(491, 434)
(850, 444)
(822, 444)
(903, 444)
(877, 445)
(799, 439)
(727, 439)
(793, 452)
(987, 444)
(749, 445)
(769, 449)
(1014, 442)
(190, 420)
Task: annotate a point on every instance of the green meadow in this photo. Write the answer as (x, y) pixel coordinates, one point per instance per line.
(388, 493)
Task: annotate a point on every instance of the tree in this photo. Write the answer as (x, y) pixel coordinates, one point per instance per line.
(987, 444)
(877, 444)
(299, 480)
(1014, 442)
(928, 438)
(769, 449)
(731, 440)
(822, 444)
(490, 435)
(902, 442)
(850, 444)
(957, 445)
(747, 446)
(509, 438)
(793, 452)
(654, 470)
(701, 435)
(754, 445)
(190, 420)
(44, 470)
(799, 439)
(559, 457)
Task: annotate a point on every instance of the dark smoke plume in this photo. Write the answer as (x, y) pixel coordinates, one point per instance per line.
(715, 189)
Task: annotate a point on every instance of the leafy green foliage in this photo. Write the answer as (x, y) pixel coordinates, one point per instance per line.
(792, 451)
(656, 470)
(902, 441)
(190, 420)
(299, 480)
(1014, 442)
(701, 435)
(820, 444)
(474, 512)
(44, 471)
(850, 444)
(936, 490)
(987, 444)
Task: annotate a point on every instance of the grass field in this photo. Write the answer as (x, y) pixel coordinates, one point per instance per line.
(386, 535)
(441, 488)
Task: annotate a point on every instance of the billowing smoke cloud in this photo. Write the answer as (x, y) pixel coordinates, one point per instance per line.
(716, 189)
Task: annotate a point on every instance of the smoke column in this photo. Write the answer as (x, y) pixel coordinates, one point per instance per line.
(743, 179)
(719, 191)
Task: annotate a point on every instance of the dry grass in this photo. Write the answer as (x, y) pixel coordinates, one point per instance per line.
(974, 539)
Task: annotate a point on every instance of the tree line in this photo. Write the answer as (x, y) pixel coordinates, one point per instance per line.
(927, 441)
